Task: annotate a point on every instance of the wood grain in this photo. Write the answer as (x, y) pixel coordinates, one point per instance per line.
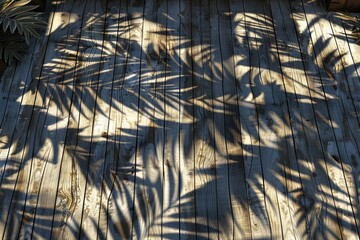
(232, 123)
(29, 128)
(123, 193)
(186, 112)
(347, 64)
(341, 110)
(14, 89)
(172, 177)
(300, 115)
(324, 121)
(99, 140)
(150, 136)
(205, 181)
(183, 120)
(75, 163)
(274, 127)
(261, 227)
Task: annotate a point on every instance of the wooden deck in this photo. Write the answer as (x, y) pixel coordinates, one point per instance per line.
(184, 119)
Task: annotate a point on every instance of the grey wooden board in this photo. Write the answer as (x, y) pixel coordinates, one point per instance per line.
(286, 35)
(180, 120)
(115, 219)
(72, 183)
(10, 135)
(347, 64)
(341, 110)
(29, 128)
(186, 118)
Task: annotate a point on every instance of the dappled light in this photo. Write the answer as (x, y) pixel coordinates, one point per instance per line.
(181, 120)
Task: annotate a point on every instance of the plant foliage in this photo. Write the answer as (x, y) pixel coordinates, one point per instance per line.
(19, 23)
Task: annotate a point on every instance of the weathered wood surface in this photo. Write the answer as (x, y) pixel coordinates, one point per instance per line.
(182, 120)
(343, 5)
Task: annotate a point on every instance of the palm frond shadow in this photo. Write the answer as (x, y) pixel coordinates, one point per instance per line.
(99, 71)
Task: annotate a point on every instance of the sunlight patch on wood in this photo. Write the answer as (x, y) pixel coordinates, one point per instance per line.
(62, 20)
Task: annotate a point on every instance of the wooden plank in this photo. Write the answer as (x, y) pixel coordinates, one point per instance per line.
(205, 181)
(200, 135)
(270, 111)
(343, 5)
(259, 217)
(74, 168)
(136, 11)
(327, 60)
(28, 128)
(172, 174)
(302, 190)
(314, 129)
(235, 160)
(350, 96)
(122, 217)
(68, 183)
(348, 151)
(13, 88)
(353, 49)
(149, 179)
(51, 147)
(224, 207)
(302, 119)
(150, 146)
(342, 119)
(274, 127)
(247, 108)
(119, 41)
(118, 212)
(334, 5)
(137, 151)
(99, 141)
(204, 127)
(317, 189)
(324, 120)
(186, 118)
(346, 64)
(352, 5)
(11, 95)
(207, 161)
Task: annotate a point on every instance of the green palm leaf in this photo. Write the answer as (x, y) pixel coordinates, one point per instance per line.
(12, 47)
(19, 25)
(18, 16)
